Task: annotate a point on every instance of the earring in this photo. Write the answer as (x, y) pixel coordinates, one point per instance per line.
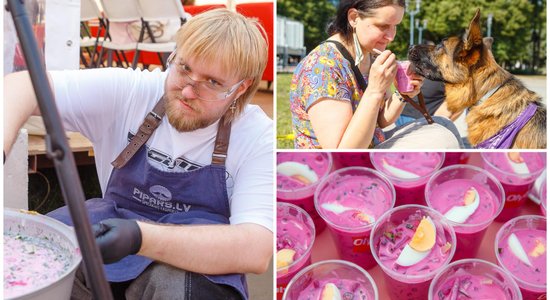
(233, 106)
(357, 47)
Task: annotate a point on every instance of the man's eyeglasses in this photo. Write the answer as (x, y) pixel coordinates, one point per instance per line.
(208, 90)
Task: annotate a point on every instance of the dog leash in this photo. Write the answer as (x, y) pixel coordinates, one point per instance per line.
(420, 106)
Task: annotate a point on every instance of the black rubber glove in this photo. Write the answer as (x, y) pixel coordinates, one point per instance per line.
(117, 238)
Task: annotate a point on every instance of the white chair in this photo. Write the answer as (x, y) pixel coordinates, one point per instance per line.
(119, 11)
(158, 11)
(89, 12)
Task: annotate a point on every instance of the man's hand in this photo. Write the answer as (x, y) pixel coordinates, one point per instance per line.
(117, 238)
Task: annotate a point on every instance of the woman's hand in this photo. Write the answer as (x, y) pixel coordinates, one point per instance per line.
(382, 72)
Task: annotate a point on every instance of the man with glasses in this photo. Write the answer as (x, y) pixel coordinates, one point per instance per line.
(187, 203)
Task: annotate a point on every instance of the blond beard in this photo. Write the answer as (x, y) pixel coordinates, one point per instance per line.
(180, 121)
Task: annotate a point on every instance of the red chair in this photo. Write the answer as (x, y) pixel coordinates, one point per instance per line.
(197, 9)
(263, 11)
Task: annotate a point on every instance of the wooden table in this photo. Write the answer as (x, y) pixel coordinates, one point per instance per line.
(80, 146)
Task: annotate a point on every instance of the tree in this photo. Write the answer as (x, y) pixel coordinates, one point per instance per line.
(512, 30)
(314, 14)
(518, 27)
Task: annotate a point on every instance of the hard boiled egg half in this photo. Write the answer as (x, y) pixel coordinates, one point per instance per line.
(517, 249)
(298, 171)
(517, 163)
(420, 245)
(460, 214)
(338, 208)
(330, 292)
(285, 257)
(400, 173)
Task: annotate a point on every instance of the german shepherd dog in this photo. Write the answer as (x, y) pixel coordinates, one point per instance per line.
(473, 80)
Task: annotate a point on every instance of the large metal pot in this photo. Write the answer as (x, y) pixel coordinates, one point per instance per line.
(63, 236)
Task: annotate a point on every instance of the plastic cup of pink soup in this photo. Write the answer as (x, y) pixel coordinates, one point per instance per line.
(473, 279)
(295, 238)
(408, 272)
(520, 248)
(342, 279)
(298, 174)
(409, 172)
(403, 77)
(516, 172)
(350, 200)
(470, 198)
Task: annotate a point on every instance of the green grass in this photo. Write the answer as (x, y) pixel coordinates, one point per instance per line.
(284, 119)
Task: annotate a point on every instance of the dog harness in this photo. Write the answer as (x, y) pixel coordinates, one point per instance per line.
(489, 94)
(505, 137)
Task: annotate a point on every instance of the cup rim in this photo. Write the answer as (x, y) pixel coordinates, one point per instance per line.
(332, 261)
(542, 192)
(394, 178)
(503, 272)
(477, 169)
(338, 172)
(534, 174)
(312, 185)
(310, 245)
(498, 236)
(443, 222)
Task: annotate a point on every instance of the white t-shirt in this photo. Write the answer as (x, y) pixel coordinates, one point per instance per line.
(108, 105)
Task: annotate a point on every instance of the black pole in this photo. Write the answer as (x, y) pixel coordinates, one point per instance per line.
(58, 150)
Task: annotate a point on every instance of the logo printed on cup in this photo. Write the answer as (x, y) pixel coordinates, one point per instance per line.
(360, 244)
(514, 200)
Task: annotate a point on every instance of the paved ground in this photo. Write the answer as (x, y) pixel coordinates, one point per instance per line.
(260, 287)
(537, 84)
(264, 98)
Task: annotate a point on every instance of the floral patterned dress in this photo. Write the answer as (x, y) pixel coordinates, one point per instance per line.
(323, 73)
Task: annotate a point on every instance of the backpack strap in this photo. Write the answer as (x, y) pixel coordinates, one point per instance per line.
(358, 76)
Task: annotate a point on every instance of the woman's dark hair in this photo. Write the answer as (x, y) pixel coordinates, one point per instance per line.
(340, 23)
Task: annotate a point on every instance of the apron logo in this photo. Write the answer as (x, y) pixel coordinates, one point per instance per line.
(160, 192)
(160, 199)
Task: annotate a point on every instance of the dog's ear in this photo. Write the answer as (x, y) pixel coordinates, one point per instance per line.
(473, 36)
(488, 42)
(471, 41)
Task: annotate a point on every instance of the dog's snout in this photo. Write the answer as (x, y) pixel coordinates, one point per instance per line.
(412, 54)
(417, 51)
